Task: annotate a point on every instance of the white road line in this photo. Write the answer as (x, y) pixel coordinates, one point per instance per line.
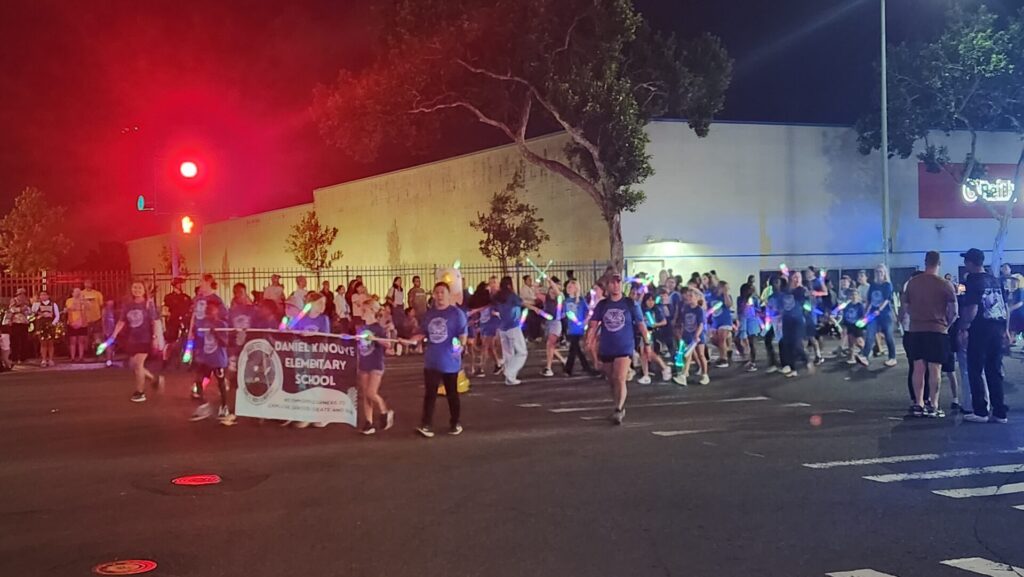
(859, 573)
(529, 405)
(985, 567)
(649, 405)
(946, 473)
(1019, 507)
(797, 405)
(678, 433)
(990, 491)
(908, 458)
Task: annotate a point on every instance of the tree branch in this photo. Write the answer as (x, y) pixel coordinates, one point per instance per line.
(568, 36)
(480, 116)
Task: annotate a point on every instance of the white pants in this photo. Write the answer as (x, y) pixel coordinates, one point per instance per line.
(513, 352)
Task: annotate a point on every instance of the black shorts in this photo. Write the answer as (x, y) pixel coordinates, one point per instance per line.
(949, 365)
(927, 347)
(611, 358)
(79, 332)
(853, 330)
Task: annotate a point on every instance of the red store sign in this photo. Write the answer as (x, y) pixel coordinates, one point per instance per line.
(940, 195)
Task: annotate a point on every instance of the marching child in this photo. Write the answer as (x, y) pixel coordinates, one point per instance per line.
(853, 313)
(210, 359)
(370, 372)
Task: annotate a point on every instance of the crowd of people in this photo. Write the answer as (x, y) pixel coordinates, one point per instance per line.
(622, 328)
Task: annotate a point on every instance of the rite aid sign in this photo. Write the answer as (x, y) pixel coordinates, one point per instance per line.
(940, 195)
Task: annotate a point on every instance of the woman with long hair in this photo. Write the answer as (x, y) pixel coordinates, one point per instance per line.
(141, 320)
(509, 307)
(879, 306)
(46, 317)
(552, 326)
(576, 311)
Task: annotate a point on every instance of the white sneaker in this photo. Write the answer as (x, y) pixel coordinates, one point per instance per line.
(786, 370)
(548, 373)
(791, 374)
(722, 365)
(772, 369)
(644, 380)
(229, 420)
(666, 375)
(972, 418)
(890, 363)
(630, 375)
(704, 379)
(321, 424)
(222, 412)
(514, 383)
(680, 380)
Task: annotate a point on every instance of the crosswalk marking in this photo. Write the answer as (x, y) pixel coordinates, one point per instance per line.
(649, 405)
(946, 473)
(985, 567)
(859, 573)
(908, 458)
(797, 405)
(678, 433)
(528, 405)
(991, 491)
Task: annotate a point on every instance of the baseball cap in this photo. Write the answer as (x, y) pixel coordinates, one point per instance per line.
(974, 256)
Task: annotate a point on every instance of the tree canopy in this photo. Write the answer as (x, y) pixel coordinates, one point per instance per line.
(592, 68)
(511, 228)
(310, 243)
(30, 237)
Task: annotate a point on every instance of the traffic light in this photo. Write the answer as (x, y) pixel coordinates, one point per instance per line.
(187, 224)
(189, 169)
(142, 205)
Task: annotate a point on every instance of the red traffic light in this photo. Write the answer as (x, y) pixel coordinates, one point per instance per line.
(188, 169)
(187, 224)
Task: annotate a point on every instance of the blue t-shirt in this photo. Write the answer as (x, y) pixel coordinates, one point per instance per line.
(489, 321)
(210, 345)
(690, 319)
(792, 302)
(578, 307)
(320, 324)
(371, 353)
(138, 320)
(242, 317)
(440, 327)
(509, 312)
(202, 302)
(853, 313)
(879, 293)
(721, 316)
(670, 304)
(656, 315)
(618, 321)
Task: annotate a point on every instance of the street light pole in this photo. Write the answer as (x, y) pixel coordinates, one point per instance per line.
(886, 233)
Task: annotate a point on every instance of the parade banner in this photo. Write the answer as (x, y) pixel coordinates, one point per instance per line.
(294, 376)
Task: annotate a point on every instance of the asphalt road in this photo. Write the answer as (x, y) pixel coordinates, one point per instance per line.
(706, 481)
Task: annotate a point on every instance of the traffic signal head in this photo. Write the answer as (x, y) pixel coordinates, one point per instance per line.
(141, 205)
(187, 224)
(188, 169)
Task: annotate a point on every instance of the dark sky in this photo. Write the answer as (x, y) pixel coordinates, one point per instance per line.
(230, 82)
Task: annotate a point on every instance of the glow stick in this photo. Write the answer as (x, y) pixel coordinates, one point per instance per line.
(457, 264)
(808, 306)
(284, 324)
(541, 274)
(522, 317)
(571, 315)
(302, 315)
(822, 274)
(104, 346)
(840, 308)
(866, 320)
(681, 355)
(456, 346)
(784, 269)
(650, 319)
(715, 308)
(546, 316)
(561, 304)
(190, 345)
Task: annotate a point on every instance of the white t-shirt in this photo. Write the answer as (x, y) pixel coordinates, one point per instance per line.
(527, 295)
(341, 304)
(295, 303)
(274, 293)
(397, 296)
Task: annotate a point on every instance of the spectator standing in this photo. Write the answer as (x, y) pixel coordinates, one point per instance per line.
(179, 310)
(18, 312)
(330, 309)
(396, 294)
(418, 297)
(528, 295)
(297, 300)
(46, 316)
(93, 311)
(78, 329)
(342, 310)
(275, 291)
(982, 330)
(931, 306)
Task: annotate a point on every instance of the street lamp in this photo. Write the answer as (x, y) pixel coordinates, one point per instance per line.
(886, 233)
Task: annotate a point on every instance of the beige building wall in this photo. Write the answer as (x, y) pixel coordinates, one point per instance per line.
(419, 215)
(255, 241)
(422, 214)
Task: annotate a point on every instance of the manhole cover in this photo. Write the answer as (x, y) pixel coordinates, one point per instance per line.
(197, 480)
(127, 567)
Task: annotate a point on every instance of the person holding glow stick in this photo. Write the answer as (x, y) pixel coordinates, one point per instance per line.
(656, 322)
(750, 325)
(612, 326)
(691, 336)
(720, 306)
(490, 347)
(509, 307)
(206, 293)
(576, 312)
(553, 305)
(139, 316)
(879, 306)
(369, 376)
(444, 327)
(794, 326)
(211, 360)
(851, 313)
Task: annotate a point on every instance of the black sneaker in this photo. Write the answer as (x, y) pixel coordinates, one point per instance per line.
(618, 415)
(456, 430)
(138, 397)
(498, 370)
(425, 431)
(934, 413)
(916, 411)
(368, 429)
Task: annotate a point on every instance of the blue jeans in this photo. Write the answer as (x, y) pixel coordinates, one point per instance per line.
(882, 323)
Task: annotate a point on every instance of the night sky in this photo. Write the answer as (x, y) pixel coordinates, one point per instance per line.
(231, 83)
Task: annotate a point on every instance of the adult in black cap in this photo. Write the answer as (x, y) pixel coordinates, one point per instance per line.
(982, 330)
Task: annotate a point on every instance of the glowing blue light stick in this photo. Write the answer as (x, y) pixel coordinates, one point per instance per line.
(104, 346)
(190, 345)
(681, 355)
(456, 346)
(522, 317)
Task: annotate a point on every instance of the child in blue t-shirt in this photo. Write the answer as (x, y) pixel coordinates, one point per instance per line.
(656, 322)
(750, 325)
(576, 311)
(691, 334)
(851, 314)
(210, 358)
(371, 370)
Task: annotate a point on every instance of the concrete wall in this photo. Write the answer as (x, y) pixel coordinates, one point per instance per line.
(422, 214)
(255, 241)
(751, 196)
